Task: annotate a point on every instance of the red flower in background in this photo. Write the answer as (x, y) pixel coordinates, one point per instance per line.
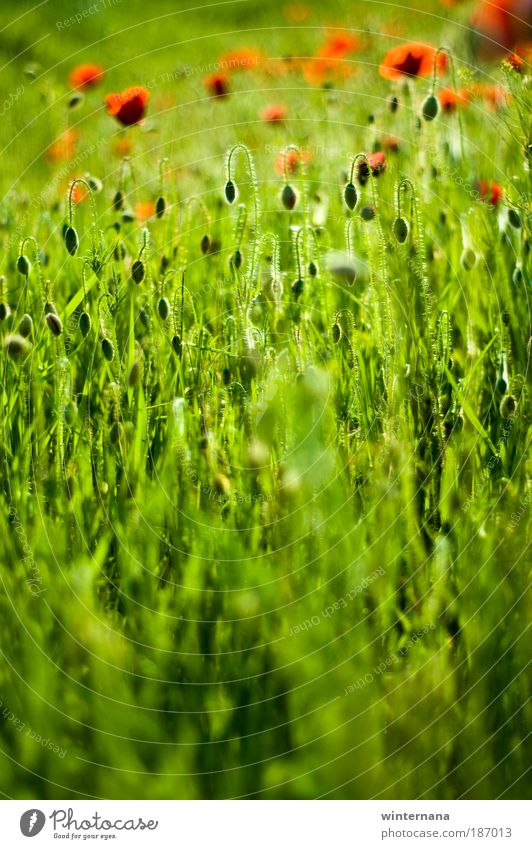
(79, 193)
(217, 84)
(241, 59)
(377, 163)
(86, 76)
(128, 106)
(502, 23)
(288, 162)
(64, 147)
(450, 99)
(489, 192)
(515, 62)
(144, 210)
(494, 96)
(274, 113)
(330, 58)
(411, 60)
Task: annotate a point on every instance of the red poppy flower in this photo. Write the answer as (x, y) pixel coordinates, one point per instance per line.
(128, 106)
(274, 113)
(489, 192)
(411, 60)
(339, 43)
(86, 76)
(144, 210)
(64, 147)
(501, 23)
(377, 163)
(242, 59)
(450, 99)
(515, 62)
(390, 143)
(494, 96)
(217, 84)
(79, 193)
(289, 161)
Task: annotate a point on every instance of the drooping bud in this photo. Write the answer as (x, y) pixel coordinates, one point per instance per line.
(119, 251)
(297, 287)
(514, 218)
(177, 345)
(367, 213)
(312, 268)
(163, 308)
(393, 103)
(400, 229)
(85, 324)
(71, 240)
(25, 326)
(128, 216)
(237, 259)
(160, 207)
(118, 201)
(350, 196)
(50, 307)
(230, 191)
(95, 183)
(23, 265)
(55, 325)
(108, 349)
(288, 197)
(4, 311)
(137, 271)
(468, 259)
(16, 346)
(430, 108)
(517, 276)
(507, 406)
(336, 333)
(205, 244)
(134, 374)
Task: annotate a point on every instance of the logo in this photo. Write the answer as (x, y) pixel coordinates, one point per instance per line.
(32, 822)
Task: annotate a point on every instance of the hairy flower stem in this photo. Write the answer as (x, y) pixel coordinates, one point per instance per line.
(235, 150)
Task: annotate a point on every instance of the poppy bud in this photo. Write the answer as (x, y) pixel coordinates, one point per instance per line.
(134, 374)
(49, 307)
(517, 276)
(71, 240)
(468, 259)
(297, 287)
(288, 197)
(393, 103)
(237, 258)
(507, 406)
(118, 201)
(350, 196)
(163, 308)
(95, 184)
(85, 324)
(177, 345)
(16, 346)
(4, 311)
(76, 100)
(128, 216)
(160, 207)
(312, 268)
(205, 244)
(23, 265)
(514, 218)
(230, 191)
(137, 271)
(367, 213)
(108, 349)
(430, 107)
(501, 386)
(55, 325)
(145, 317)
(400, 229)
(336, 332)
(25, 325)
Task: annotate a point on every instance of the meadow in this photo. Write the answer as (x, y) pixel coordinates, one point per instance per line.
(265, 348)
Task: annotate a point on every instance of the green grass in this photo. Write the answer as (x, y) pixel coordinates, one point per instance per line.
(286, 558)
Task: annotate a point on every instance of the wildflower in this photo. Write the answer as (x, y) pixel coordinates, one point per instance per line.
(489, 192)
(274, 113)
(64, 147)
(122, 146)
(144, 210)
(390, 143)
(217, 84)
(376, 162)
(411, 60)
(86, 76)
(288, 161)
(128, 106)
(515, 63)
(241, 59)
(450, 99)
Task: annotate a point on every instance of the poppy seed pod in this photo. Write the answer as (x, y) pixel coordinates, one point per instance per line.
(16, 346)
(4, 311)
(297, 287)
(430, 108)
(160, 207)
(288, 197)
(55, 325)
(400, 229)
(367, 213)
(468, 259)
(25, 326)
(108, 349)
(71, 240)
(137, 271)
(237, 258)
(163, 308)
(177, 345)
(118, 201)
(85, 324)
(205, 244)
(23, 265)
(230, 191)
(350, 196)
(514, 218)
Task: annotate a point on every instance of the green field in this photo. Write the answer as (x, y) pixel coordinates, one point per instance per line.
(265, 478)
